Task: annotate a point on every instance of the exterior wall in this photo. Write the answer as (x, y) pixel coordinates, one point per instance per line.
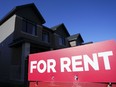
(6, 37)
(19, 34)
(51, 37)
(79, 41)
(15, 68)
(60, 32)
(7, 28)
(56, 42)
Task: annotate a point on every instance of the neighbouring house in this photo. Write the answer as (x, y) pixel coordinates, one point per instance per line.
(22, 33)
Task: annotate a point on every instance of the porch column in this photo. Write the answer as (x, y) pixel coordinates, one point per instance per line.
(25, 53)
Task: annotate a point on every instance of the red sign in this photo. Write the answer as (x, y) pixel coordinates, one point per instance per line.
(87, 63)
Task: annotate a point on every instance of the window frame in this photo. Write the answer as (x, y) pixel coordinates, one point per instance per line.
(45, 36)
(26, 29)
(61, 40)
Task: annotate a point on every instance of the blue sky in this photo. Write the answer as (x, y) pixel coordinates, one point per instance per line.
(95, 20)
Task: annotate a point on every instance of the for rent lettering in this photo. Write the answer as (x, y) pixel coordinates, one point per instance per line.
(73, 64)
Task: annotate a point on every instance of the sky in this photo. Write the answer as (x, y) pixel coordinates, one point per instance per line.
(95, 20)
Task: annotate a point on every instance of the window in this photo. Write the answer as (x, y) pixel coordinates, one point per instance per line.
(45, 36)
(61, 40)
(29, 28)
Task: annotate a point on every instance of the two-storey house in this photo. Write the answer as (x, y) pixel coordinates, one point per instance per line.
(22, 33)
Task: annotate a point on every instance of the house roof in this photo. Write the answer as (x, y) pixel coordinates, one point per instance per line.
(59, 25)
(14, 10)
(47, 28)
(75, 37)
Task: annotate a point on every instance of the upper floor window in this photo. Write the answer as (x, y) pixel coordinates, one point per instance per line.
(45, 36)
(29, 27)
(61, 40)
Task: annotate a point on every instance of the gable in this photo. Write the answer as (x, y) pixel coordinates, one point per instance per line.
(61, 30)
(30, 13)
(76, 37)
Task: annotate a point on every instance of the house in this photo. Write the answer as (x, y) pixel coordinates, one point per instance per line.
(22, 33)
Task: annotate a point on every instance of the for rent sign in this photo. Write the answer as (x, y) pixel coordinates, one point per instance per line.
(88, 63)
